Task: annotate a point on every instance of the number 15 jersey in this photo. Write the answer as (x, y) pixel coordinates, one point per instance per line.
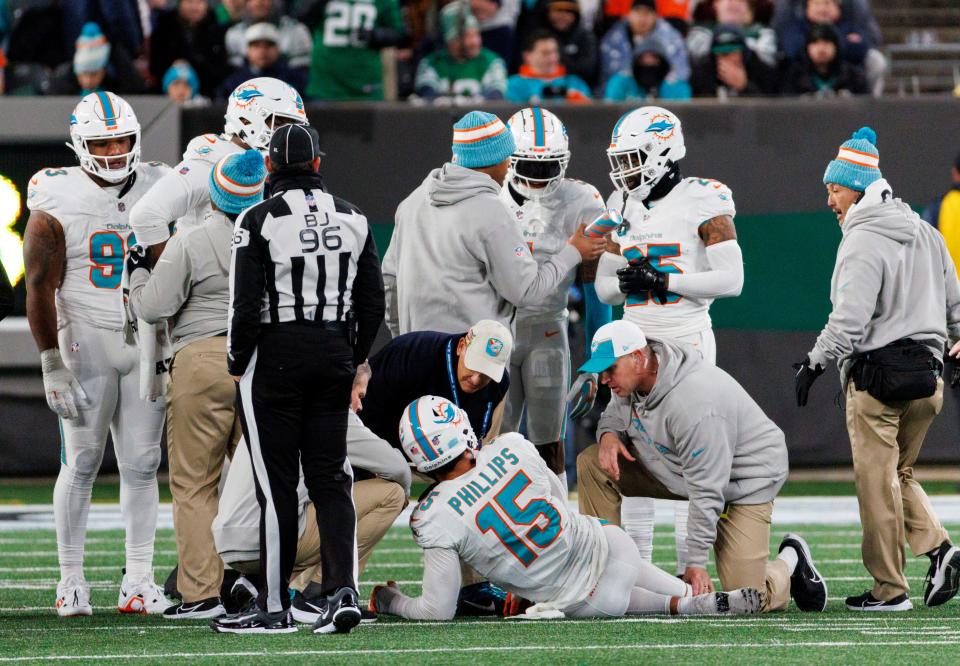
(508, 519)
(97, 235)
(668, 233)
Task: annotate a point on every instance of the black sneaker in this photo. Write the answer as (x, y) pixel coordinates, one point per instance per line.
(869, 603)
(204, 609)
(255, 621)
(807, 587)
(943, 576)
(242, 595)
(307, 610)
(367, 616)
(341, 615)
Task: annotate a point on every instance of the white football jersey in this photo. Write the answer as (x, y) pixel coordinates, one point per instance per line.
(546, 225)
(667, 233)
(97, 234)
(508, 519)
(201, 155)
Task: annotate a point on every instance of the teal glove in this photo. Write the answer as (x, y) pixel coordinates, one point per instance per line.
(582, 394)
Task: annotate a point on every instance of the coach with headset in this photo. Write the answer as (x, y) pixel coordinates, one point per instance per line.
(307, 300)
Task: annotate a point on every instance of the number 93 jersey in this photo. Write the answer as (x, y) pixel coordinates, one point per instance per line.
(97, 235)
(508, 519)
(668, 233)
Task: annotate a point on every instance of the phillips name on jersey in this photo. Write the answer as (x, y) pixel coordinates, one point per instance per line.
(668, 233)
(508, 519)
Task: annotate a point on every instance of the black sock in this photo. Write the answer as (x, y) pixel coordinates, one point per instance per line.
(943, 547)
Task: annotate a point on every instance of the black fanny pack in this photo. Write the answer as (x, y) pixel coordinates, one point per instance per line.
(903, 370)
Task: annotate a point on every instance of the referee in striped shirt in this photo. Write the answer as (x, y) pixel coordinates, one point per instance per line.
(306, 301)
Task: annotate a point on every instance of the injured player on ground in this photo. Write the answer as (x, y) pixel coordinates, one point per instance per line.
(504, 513)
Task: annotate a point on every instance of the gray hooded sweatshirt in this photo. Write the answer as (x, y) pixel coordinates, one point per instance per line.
(703, 437)
(893, 279)
(457, 257)
(190, 285)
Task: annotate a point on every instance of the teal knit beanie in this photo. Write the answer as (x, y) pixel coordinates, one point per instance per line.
(236, 182)
(857, 163)
(480, 139)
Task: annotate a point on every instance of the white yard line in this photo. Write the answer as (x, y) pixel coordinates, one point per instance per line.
(454, 649)
(834, 510)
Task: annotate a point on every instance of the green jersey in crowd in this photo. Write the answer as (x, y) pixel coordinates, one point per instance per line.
(343, 65)
(439, 74)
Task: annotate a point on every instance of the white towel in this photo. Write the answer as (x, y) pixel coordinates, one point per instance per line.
(543, 611)
(153, 341)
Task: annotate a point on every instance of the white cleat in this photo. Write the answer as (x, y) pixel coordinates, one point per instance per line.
(142, 597)
(73, 597)
(745, 601)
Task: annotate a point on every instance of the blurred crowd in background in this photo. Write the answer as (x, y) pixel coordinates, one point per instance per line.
(431, 51)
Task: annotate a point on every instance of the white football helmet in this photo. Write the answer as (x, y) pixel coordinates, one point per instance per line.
(434, 431)
(540, 159)
(644, 143)
(255, 105)
(103, 115)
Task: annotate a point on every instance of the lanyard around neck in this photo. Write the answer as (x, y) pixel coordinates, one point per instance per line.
(456, 396)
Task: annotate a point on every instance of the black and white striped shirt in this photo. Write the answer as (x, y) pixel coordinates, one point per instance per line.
(302, 255)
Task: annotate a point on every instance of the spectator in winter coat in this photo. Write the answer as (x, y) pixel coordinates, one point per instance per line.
(760, 39)
(263, 59)
(821, 70)
(856, 11)
(732, 69)
(854, 42)
(542, 77)
(96, 66)
(647, 78)
(190, 32)
(181, 85)
(295, 42)
(616, 49)
(463, 69)
(578, 46)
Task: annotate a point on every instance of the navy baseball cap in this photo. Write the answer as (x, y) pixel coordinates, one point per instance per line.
(293, 144)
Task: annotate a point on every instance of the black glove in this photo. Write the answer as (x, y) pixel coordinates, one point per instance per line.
(641, 277)
(806, 376)
(137, 258)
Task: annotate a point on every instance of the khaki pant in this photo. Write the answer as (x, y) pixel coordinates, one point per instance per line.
(202, 430)
(378, 503)
(741, 550)
(885, 440)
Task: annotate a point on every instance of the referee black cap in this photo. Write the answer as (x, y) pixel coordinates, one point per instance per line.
(294, 144)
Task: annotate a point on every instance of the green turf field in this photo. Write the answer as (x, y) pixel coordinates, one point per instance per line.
(30, 629)
(40, 490)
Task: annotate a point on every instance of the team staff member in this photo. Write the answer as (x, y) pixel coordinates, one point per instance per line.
(895, 302)
(457, 255)
(191, 288)
(469, 369)
(304, 269)
(678, 427)
(379, 498)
